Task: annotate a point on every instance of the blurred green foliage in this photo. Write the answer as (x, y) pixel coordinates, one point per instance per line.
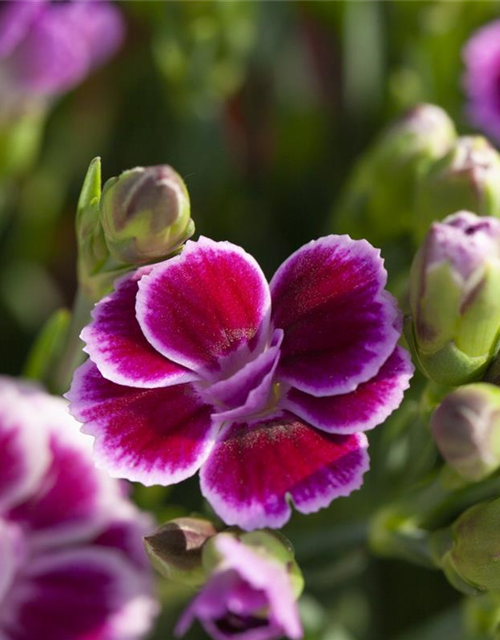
(263, 108)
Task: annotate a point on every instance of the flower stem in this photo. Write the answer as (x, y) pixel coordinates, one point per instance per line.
(72, 354)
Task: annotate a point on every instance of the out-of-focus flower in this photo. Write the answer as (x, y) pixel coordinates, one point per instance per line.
(468, 552)
(46, 48)
(482, 72)
(197, 362)
(454, 298)
(71, 552)
(466, 178)
(145, 214)
(466, 428)
(385, 178)
(250, 594)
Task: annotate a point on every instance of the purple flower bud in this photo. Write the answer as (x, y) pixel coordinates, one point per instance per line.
(466, 428)
(482, 62)
(454, 298)
(467, 177)
(251, 592)
(175, 549)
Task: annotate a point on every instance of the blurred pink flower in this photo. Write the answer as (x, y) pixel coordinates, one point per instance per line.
(248, 597)
(46, 48)
(73, 566)
(481, 56)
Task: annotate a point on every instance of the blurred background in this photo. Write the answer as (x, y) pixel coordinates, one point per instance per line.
(263, 108)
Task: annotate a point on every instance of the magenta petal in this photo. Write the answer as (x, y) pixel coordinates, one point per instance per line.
(118, 347)
(16, 18)
(101, 24)
(153, 436)
(70, 595)
(254, 470)
(72, 499)
(328, 297)
(268, 577)
(24, 448)
(53, 57)
(12, 554)
(209, 304)
(365, 408)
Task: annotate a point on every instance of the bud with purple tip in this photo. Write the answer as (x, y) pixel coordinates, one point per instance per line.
(454, 284)
(145, 214)
(466, 428)
(385, 178)
(467, 177)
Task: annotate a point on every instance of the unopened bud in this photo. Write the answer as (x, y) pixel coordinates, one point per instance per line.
(384, 180)
(175, 549)
(466, 428)
(467, 177)
(454, 284)
(469, 552)
(145, 214)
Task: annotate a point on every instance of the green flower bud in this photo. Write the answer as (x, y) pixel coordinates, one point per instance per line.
(467, 177)
(175, 549)
(454, 284)
(145, 214)
(469, 552)
(378, 202)
(466, 428)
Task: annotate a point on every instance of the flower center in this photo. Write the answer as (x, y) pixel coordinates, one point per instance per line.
(252, 390)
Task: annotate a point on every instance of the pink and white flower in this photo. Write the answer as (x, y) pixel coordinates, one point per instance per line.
(248, 597)
(197, 363)
(73, 567)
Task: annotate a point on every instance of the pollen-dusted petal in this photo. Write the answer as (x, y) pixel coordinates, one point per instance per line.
(255, 469)
(116, 344)
(24, 449)
(153, 436)
(69, 595)
(208, 304)
(329, 299)
(365, 408)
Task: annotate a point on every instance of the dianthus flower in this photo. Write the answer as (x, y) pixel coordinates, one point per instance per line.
(249, 597)
(71, 553)
(48, 47)
(198, 363)
(482, 78)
